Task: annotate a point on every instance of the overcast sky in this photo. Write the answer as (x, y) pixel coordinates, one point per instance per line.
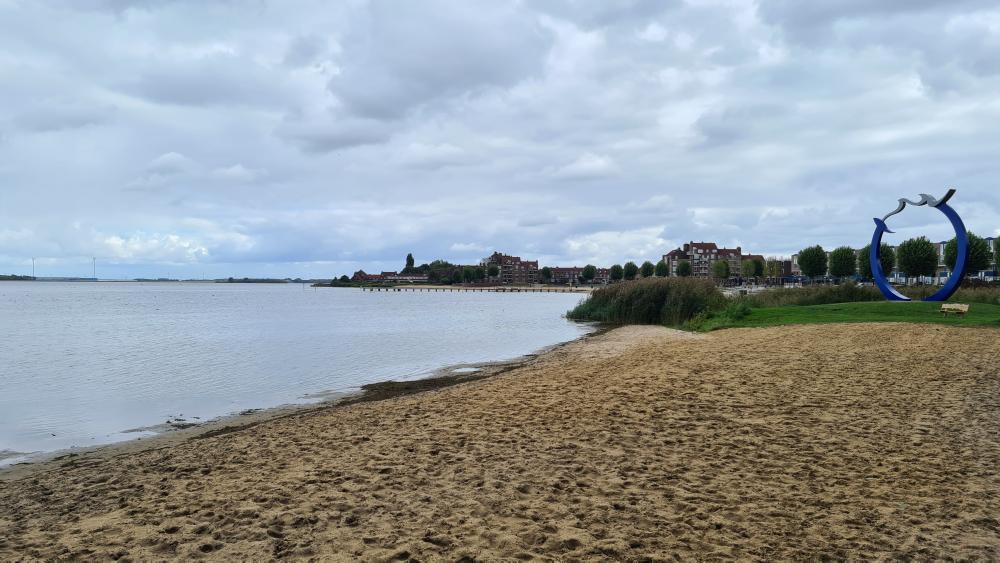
(299, 138)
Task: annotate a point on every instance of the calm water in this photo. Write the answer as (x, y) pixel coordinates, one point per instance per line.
(90, 363)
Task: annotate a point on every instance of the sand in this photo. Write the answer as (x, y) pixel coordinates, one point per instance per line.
(847, 441)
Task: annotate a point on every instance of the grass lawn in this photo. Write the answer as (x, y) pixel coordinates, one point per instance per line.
(980, 314)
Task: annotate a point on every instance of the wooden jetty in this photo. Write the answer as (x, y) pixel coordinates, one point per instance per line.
(480, 289)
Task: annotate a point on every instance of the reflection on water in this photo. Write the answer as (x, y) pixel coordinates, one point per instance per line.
(83, 363)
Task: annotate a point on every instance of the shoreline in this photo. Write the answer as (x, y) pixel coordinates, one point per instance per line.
(440, 378)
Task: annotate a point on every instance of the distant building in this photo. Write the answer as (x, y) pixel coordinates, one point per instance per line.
(361, 276)
(566, 276)
(411, 278)
(571, 275)
(513, 270)
(603, 276)
(702, 256)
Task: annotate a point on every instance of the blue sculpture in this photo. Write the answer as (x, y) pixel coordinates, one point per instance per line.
(963, 249)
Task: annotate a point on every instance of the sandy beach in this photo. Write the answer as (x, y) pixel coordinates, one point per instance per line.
(847, 441)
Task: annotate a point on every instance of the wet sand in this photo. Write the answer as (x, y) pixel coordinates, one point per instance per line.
(848, 441)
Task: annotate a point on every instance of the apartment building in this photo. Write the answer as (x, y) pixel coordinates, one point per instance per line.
(513, 270)
(702, 256)
(571, 275)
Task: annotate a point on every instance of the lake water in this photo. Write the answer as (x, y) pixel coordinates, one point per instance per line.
(83, 364)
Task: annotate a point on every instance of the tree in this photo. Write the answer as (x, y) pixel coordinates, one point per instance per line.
(494, 270)
(616, 273)
(758, 268)
(812, 261)
(480, 273)
(979, 255)
(683, 268)
(773, 268)
(843, 262)
(409, 264)
(647, 269)
(344, 279)
(996, 254)
(662, 270)
(748, 269)
(631, 270)
(456, 276)
(468, 274)
(886, 259)
(546, 274)
(916, 257)
(720, 269)
(588, 273)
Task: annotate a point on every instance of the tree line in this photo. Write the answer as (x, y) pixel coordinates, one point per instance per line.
(914, 258)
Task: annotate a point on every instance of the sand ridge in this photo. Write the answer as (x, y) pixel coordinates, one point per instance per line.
(847, 441)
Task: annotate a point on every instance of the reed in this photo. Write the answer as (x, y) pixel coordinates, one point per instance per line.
(666, 301)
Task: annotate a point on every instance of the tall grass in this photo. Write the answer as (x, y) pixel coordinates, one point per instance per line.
(851, 293)
(990, 294)
(666, 301)
(814, 295)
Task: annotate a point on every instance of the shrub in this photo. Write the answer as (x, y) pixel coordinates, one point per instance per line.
(971, 291)
(666, 301)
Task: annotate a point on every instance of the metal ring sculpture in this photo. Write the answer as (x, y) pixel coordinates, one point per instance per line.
(963, 249)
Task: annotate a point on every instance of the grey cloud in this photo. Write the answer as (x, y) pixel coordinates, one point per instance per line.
(305, 50)
(51, 116)
(804, 16)
(731, 124)
(170, 163)
(334, 133)
(536, 221)
(602, 14)
(207, 81)
(406, 54)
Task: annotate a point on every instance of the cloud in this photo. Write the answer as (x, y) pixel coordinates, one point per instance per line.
(268, 138)
(334, 133)
(467, 247)
(169, 164)
(51, 115)
(434, 156)
(588, 166)
(211, 80)
(305, 50)
(607, 247)
(403, 55)
(237, 173)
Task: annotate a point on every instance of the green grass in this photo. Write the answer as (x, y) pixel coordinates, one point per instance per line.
(980, 314)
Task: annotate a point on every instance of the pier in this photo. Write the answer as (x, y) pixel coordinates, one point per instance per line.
(489, 289)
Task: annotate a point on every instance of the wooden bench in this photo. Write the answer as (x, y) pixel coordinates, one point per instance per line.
(957, 308)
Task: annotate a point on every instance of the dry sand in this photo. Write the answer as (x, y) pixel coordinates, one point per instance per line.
(848, 441)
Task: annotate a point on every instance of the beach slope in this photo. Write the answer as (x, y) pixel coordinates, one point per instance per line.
(852, 441)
